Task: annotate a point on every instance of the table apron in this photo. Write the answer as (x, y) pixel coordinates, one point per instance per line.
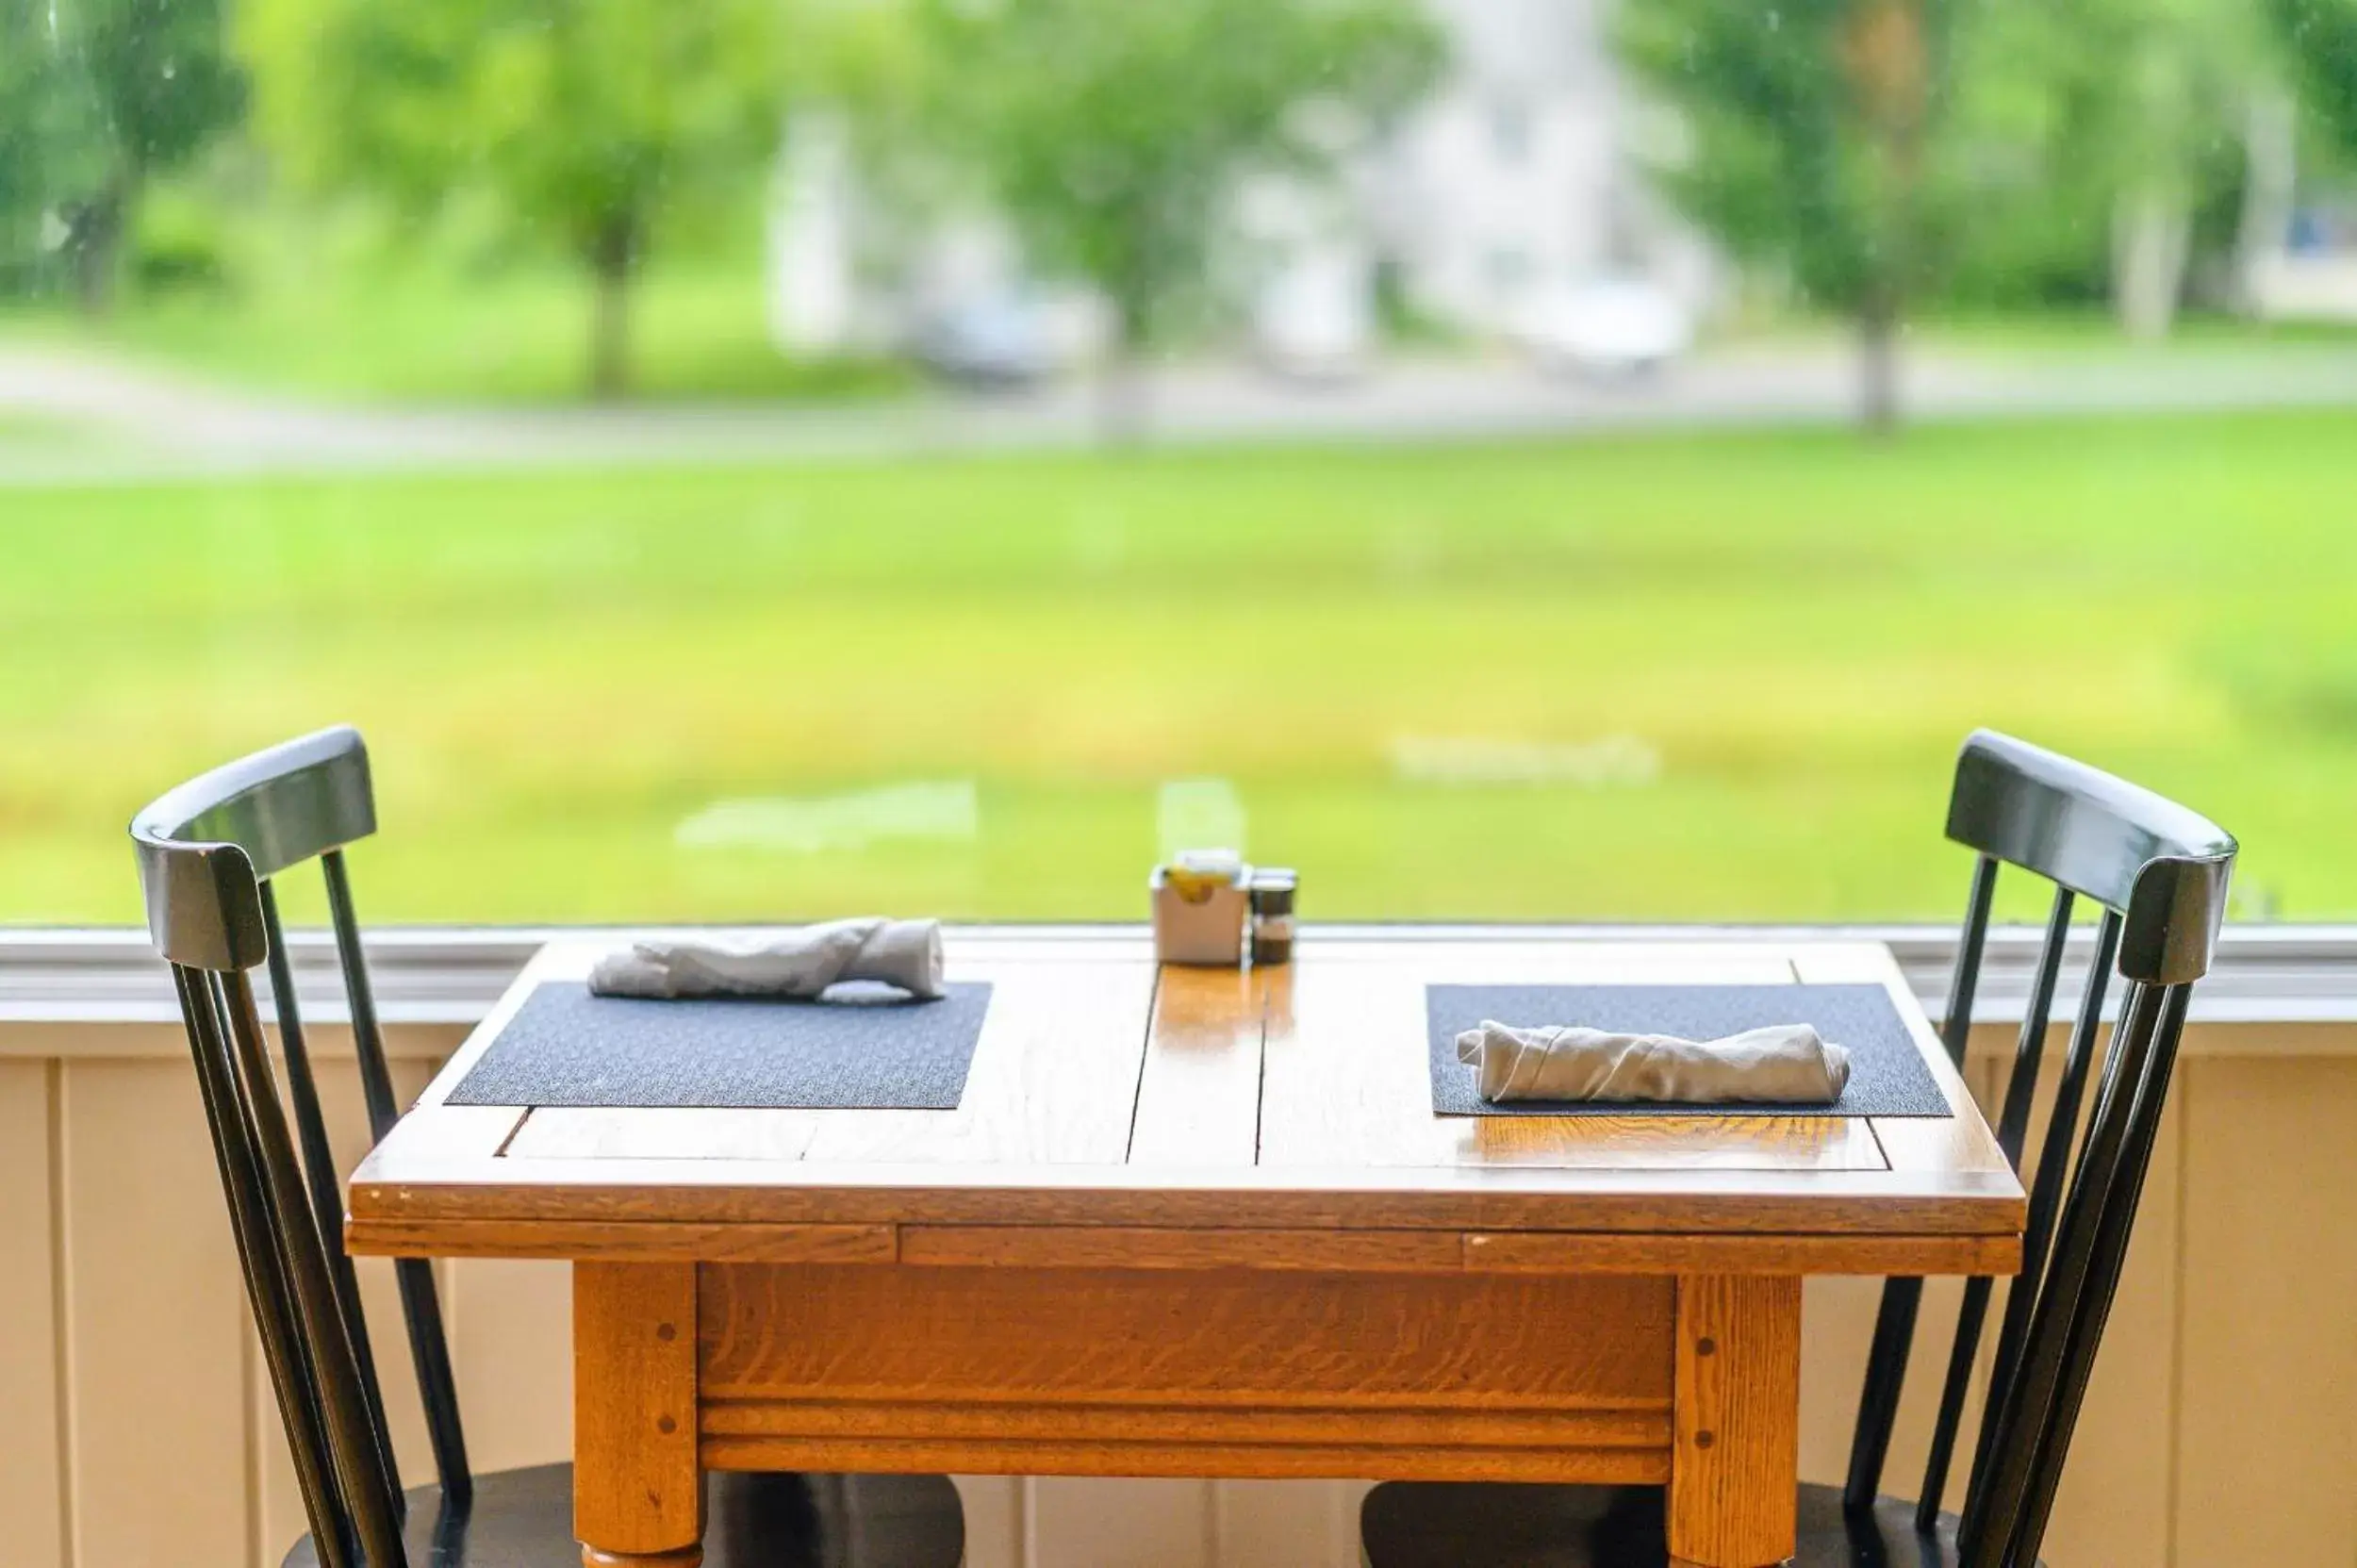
(1324, 1250)
(1220, 1371)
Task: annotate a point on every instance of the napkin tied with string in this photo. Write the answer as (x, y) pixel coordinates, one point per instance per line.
(794, 963)
(1785, 1064)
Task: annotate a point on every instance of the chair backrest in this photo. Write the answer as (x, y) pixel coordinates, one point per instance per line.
(2159, 874)
(208, 852)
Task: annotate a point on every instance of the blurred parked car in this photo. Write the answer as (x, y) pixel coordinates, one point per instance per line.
(1002, 341)
(1609, 329)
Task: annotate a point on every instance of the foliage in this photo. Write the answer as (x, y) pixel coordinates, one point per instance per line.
(1810, 144)
(162, 86)
(97, 97)
(1114, 135)
(2071, 112)
(587, 123)
(2321, 38)
(28, 136)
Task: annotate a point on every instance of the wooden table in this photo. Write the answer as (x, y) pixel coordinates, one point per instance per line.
(1202, 1224)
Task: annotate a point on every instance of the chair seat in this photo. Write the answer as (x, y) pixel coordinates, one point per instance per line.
(525, 1519)
(1472, 1525)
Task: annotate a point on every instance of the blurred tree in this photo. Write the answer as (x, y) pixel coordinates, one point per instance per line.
(2108, 137)
(588, 122)
(27, 93)
(1114, 135)
(2321, 38)
(117, 93)
(1809, 147)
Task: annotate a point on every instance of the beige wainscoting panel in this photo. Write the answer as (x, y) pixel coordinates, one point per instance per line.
(2113, 1510)
(157, 1335)
(2267, 1435)
(1308, 1524)
(994, 1530)
(511, 1332)
(32, 1494)
(1837, 1323)
(1106, 1523)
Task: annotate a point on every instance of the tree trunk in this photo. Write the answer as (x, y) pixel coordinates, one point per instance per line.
(613, 257)
(98, 225)
(2151, 233)
(2270, 183)
(1123, 405)
(1878, 364)
(1888, 55)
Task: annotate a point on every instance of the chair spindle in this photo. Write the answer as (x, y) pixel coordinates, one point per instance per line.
(2013, 1125)
(292, 1384)
(2115, 1228)
(352, 1440)
(1993, 1516)
(2053, 1170)
(322, 1178)
(420, 1302)
(1903, 1295)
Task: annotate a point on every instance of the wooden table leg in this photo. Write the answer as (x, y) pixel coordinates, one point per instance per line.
(638, 1495)
(1735, 1459)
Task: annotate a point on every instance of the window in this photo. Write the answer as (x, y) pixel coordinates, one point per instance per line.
(725, 476)
(1510, 131)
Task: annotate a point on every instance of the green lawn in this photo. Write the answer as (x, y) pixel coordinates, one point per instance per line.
(557, 672)
(41, 436)
(429, 332)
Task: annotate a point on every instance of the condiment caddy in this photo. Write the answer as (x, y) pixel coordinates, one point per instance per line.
(1211, 909)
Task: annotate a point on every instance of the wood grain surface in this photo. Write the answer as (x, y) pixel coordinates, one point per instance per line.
(1347, 1080)
(1171, 1247)
(637, 1487)
(1205, 1223)
(1199, 1095)
(1054, 1078)
(1738, 1416)
(1288, 1100)
(660, 1132)
(1217, 1371)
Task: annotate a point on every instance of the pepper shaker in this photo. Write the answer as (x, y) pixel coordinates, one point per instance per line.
(1272, 891)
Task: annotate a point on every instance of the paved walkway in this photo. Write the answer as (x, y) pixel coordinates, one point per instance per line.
(133, 423)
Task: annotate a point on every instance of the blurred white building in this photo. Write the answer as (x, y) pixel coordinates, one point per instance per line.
(813, 290)
(2297, 258)
(1521, 176)
(1517, 183)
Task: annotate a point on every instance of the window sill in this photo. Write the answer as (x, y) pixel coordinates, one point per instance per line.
(451, 975)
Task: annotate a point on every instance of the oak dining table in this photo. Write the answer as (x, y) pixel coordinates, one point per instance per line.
(1204, 1222)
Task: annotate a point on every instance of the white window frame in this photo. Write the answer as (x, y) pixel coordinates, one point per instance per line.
(2264, 974)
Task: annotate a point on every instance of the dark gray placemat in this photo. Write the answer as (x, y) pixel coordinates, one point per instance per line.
(862, 1048)
(1888, 1077)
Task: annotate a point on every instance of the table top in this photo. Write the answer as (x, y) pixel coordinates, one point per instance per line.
(1116, 1114)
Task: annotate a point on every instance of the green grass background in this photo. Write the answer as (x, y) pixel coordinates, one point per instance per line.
(303, 317)
(555, 670)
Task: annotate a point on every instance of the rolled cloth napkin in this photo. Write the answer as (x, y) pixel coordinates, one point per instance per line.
(1783, 1062)
(906, 953)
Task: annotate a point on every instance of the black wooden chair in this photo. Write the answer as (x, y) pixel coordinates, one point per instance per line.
(208, 852)
(2159, 873)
